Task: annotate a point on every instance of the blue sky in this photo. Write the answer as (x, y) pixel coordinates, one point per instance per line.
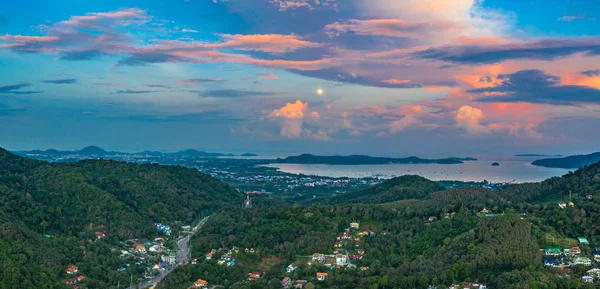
(399, 77)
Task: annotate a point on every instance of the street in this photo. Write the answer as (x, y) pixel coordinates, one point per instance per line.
(182, 257)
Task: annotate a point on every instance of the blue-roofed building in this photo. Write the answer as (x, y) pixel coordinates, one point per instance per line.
(583, 241)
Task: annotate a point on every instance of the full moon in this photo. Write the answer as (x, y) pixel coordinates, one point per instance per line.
(319, 91)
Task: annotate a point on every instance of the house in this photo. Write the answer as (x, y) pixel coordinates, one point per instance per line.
(100, 235)
(594, 272)
(565, 271)
(587, 279)
(583, 241)
(597, 255)
(237, 250)
(552, 251)
(341, 259)
(432, 218)
(251, 250)
(286, 282)
(318, 258)
(80, 278)
(72, 269)
(364, 268)
(589, 197)
(208, 256)
(486, 211)
(360, 251)
(571, 204)
(344, 236)
(468, 286)
(186, 228)
(300, 284)
(231, 263)
(253, 276)
(200, 283)
(550, 262)
(582, 261)
(562, 205)
(384, 232)
(575, 250)
(169, 259)
(321, 276)
(337, 244)
(354, 225)
(195, 261)
(157, 267)
(291, 268)
(155, 248)
(70, 281)
(140, 248)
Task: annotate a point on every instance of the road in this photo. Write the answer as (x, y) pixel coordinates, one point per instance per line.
(183, 253)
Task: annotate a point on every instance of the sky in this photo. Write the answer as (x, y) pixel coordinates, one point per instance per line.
(377, 77)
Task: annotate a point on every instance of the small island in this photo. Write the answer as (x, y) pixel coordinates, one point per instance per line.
(495, 164)
(248, 155)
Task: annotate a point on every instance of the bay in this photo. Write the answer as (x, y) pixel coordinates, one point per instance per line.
(517, 170)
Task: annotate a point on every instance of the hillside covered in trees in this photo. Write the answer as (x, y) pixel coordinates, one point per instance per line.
(426, 237)
(50, 212)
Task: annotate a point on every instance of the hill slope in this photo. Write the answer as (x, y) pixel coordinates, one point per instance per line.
(70, 201)
(399, 188)
(570, 162)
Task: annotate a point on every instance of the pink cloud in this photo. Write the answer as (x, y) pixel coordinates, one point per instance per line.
(389, 27)
(268, 76)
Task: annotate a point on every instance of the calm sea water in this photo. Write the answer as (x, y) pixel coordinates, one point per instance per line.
(518, 170)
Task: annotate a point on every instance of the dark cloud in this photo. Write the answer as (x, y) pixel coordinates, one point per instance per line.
(15, 89)
(81, 55)
(61, 81)
(591, 73)
(486, 78)
(548, 49)
(202, 80)
(158, 85)
(535, 86)
(213, 117)
(234, 93)
(337, 76)
(144, 59)
(129, 91)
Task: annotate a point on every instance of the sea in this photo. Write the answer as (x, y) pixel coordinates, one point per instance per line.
(511, 169)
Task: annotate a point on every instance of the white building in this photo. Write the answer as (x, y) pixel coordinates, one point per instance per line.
(582, 261)
(341, 259)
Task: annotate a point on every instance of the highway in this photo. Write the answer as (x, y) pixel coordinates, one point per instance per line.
(183, 253)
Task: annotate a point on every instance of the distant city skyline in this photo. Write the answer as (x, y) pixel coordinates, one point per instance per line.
(373, 77)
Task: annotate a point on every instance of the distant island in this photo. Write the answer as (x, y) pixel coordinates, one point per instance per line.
(365, 160)
(570, 162)
(248, 155)
(536, 155)
(95, 151)
(495, 164)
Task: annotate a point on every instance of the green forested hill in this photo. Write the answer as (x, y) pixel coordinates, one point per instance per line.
(71, 201)
(398, 188)
(424, 236)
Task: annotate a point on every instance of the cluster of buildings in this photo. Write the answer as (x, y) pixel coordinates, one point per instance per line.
(567, 257)
(199, 284)
(163, 228)
(468, 286)
(227, 258)
(76, 281)
(152, 254)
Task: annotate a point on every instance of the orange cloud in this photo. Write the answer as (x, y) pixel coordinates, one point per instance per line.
(291, 110)
(315, 115)
(395, 81)
(273, 43)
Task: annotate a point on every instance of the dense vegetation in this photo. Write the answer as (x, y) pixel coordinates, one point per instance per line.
(50, 212)
(365, 160)
(570, 162)
(434, 237)
(398, 188)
